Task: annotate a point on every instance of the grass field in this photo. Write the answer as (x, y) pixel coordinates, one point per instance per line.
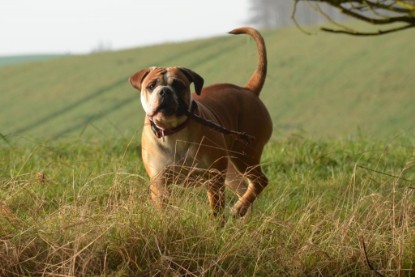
(325, 85)
(74, 196)
(24, 59)
(77, 208)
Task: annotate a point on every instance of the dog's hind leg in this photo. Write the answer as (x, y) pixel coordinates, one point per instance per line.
(235, 180)
(257, 182)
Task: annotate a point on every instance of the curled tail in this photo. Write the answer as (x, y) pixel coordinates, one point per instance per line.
(257, 80)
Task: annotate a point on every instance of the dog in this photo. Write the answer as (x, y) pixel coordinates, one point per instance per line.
(175, 146)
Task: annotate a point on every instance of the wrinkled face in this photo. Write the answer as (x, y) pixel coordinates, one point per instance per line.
(165, 93)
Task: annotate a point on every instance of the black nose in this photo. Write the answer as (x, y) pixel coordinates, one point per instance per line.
(165, 91)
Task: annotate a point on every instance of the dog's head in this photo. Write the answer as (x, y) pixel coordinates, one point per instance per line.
(165, 93)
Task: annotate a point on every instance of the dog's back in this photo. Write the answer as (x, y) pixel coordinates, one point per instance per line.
(247, 108)
(250, 109)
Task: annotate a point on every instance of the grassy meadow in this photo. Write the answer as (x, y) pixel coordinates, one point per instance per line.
(322, 84)
(74, 196)
(24, 59)
(76, 208)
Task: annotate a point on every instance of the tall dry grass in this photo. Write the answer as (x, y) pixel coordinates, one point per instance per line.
(333, 208)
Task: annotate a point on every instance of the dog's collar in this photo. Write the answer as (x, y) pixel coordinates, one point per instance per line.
(161, 133)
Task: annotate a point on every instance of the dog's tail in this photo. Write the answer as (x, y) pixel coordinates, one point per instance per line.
(257, 80)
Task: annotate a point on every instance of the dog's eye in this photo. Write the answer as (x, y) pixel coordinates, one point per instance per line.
(178, 86)
(151, 87)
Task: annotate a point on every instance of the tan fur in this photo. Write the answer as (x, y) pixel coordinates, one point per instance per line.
(197, 154)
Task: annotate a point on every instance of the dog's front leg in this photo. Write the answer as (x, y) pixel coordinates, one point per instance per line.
(216, 196)
(160, 192)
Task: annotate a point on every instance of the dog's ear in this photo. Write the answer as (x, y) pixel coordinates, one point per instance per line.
(138, 78)
(195, 78)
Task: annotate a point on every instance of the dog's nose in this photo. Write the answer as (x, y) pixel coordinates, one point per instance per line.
(165, 91)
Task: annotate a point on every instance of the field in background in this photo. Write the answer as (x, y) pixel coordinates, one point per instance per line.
(325, 85)
(332, 208)
(24, 59)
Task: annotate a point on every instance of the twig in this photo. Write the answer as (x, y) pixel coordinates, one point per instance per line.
(384, 173)
(215, 126)
(318, 9)
(366, 34)
(293, 18)
(362, 242)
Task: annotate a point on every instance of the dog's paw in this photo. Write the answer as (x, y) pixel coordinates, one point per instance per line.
(240, 209)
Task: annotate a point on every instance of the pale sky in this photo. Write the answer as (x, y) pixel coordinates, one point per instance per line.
(79, 26)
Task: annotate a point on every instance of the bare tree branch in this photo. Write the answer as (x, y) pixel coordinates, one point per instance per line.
(294, 18)
(365, 34)
(376, 12)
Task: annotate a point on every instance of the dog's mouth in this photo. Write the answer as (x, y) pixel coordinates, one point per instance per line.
(164, 109)
(167, 107)
(168, 113)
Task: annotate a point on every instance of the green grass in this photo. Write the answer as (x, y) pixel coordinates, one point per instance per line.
(82, 208)
(22, 59)
(326, 85)
(74, 196)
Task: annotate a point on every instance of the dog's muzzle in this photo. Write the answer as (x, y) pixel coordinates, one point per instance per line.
(165, 92)
(167, 103)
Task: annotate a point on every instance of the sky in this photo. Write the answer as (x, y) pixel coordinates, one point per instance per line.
(80, 26)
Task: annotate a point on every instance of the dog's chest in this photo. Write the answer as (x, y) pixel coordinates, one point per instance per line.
(184, 163)
(186, 154)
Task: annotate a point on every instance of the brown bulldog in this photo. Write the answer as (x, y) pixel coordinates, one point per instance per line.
(190, 138)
